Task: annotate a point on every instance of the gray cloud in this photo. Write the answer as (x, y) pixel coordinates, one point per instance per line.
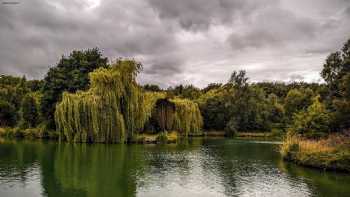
(201, 14)
(273, 27)
(185, 41)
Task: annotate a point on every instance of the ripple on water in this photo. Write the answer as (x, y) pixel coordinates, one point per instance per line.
(215, 168)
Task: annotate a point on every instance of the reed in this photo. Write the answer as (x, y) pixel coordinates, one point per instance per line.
(332, 152)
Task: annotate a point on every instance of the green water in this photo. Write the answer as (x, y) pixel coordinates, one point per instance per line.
(216, 167)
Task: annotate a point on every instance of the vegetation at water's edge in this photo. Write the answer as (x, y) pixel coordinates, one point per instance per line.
(309, 140)
(331, 153)
(86, 98)
(115, 109)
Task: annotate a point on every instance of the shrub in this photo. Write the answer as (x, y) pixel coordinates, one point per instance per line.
(314, 122)
(162, 138)
(231, 128)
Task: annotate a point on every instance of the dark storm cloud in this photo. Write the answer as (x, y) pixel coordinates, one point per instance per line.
(201, 14)
(273, 27)
(184, 41)
(35, 34)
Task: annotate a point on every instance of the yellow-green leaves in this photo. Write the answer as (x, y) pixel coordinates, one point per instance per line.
(115, 108)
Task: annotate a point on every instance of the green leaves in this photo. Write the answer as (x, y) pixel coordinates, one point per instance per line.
(70, 74)
(115, 108)
(313, 122)
(29, 111)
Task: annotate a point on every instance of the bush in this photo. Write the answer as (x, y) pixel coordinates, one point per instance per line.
(7, 114)
(314, 122)
(29, 112)
(162, 138)
(231, 128)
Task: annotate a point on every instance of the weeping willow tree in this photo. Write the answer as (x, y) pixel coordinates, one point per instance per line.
(115, 108)
(187, 118)
(175, 114)
(110, 111)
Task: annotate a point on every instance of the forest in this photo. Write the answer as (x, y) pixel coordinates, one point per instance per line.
(88, 98)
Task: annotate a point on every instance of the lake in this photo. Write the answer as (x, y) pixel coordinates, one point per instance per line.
(200, 167)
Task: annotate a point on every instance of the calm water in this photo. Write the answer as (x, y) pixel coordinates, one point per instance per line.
(219, 167)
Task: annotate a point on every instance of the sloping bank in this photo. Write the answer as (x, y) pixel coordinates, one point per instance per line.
(116, 110)
(332, 153)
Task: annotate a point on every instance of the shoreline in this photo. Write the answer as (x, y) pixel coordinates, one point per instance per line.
(331, 154)
(170, 137)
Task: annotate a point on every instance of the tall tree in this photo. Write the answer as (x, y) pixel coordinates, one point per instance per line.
(29, 112)
(7, 114)
(70, 74)
(336, 72)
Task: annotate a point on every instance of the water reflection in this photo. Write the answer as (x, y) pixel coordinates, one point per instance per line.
(203, 168)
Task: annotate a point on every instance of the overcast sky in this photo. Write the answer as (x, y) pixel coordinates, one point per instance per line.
(178, 41)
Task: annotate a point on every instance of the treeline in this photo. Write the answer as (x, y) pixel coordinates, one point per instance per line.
(249, 107)
(31, 103)
(309, 109)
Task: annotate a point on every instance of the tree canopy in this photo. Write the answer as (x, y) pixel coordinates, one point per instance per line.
(70, 74)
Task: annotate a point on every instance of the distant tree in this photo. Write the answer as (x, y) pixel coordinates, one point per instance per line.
(70, 74)
(177, 90)
(297, 100)
(336, 73)
(239, 79)
(191, 92)
(29, 112)
(313, 122)
(6, 80)
(34, 85)
(152, 88)
(8, 114)
(342, 106)
(211, 86)
(12, 89)
(332, 72)
(187, 91)
(277, 111)
(215, 113)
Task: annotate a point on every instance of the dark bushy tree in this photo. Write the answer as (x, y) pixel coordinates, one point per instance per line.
(313, 122)
(29, 112)
(336, 72)
(152, 88)
(8, 114)
(296, 100)
(70, 74)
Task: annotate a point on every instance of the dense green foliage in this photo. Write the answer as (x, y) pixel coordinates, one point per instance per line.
(239, 106)
(70, 74)
(29, 111)
(152, 88)
(110, 111)
(12, 91)
(323, 116)
(100, 102)
(115, 109)
(8, 114)
(297, 100)
(336, 72)
(312, 122)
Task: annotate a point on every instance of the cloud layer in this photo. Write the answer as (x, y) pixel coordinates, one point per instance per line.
(196, 41)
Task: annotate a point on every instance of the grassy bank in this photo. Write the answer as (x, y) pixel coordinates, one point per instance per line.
(143, 138)
(331, 153)
(159, 138)
(242, 134)
(38, 133)
(31, 133)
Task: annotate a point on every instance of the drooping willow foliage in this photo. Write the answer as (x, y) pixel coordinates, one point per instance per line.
(175, 114)
(109, 111)
(188, 119)
(115, 108)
